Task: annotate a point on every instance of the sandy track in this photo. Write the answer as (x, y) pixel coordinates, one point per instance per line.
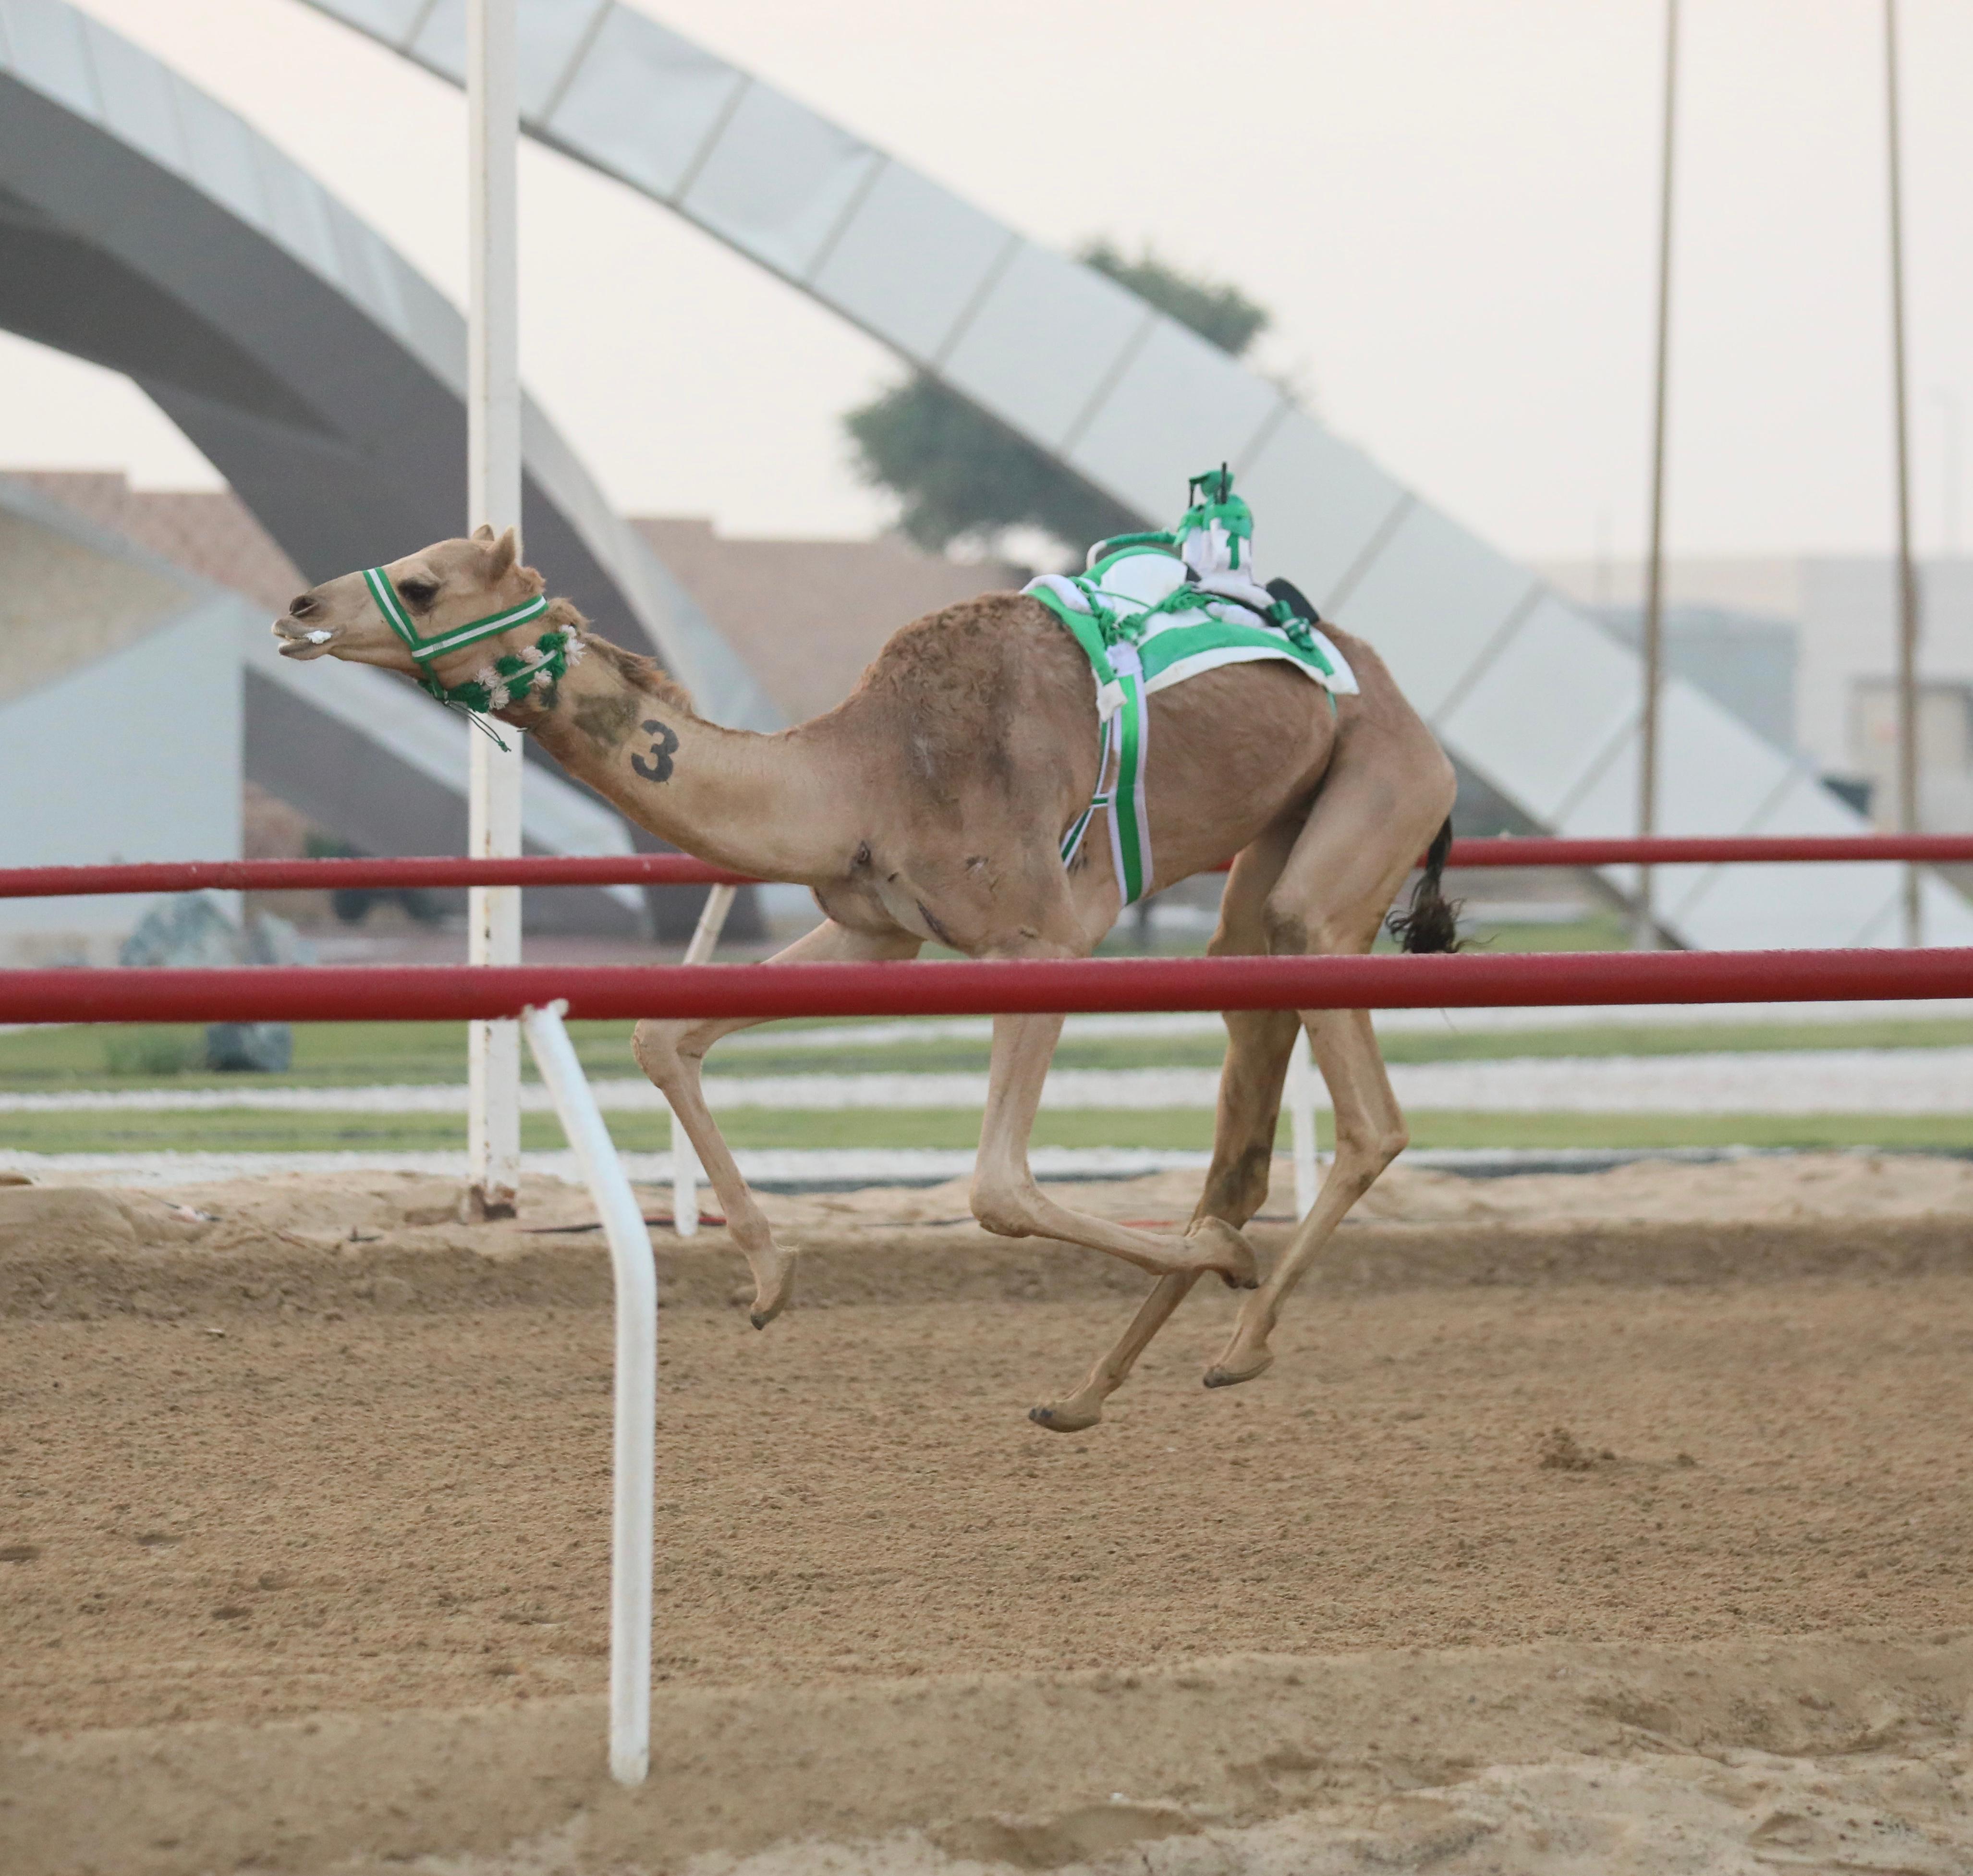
(251, 1476)
(1625, 1760)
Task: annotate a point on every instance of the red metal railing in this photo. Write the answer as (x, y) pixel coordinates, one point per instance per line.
(272, 875)
(323, 876)
(322, 994)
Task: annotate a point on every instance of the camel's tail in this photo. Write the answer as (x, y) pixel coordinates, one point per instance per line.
(1432, 924)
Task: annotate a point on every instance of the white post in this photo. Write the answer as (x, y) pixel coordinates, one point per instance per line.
(493, 495)
(1644, 931)
(1304, 1091)
(711, 922)
(635, 1456)
(1909, 817)
(685, 1168)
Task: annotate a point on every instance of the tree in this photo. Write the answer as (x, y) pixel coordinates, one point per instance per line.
(959, 474)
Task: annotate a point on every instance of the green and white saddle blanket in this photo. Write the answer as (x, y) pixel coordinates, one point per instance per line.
(1153, 610)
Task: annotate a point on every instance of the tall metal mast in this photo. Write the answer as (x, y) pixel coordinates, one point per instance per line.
(1908, 615)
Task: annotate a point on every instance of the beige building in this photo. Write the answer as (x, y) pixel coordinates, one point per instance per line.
(808, 616)
(107, 654)
(1843, 609)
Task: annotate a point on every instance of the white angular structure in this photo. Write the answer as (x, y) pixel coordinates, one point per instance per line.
(1526, 690)
(146, 227)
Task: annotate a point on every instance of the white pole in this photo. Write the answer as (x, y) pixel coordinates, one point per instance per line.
(1908, 595)
(1645, 931)
(1948, 405)
(685, 1168)
(635, 1457)
(1305, 1091)
(711, 922)
(493, 495)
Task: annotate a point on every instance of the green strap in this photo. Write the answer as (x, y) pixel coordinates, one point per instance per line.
(1153, 537)
(1087, 630)
(1129, 824)
(1124, 741)
(425, 649)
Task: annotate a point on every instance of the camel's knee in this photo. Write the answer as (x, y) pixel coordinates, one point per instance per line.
(1294, 932)
(1363, 1151)
(654, 1042)
(1260, 1034)
(1286, 923)
(1002, 1206)
(1236, 1191)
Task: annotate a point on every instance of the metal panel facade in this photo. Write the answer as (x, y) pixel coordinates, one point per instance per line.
(778, 181)
(1038, 349)
(609, 113)
(1431, 599)
(910, 262)
(1177, 399)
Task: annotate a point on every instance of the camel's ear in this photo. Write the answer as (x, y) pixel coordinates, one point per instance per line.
(483, 532)
(506, 551)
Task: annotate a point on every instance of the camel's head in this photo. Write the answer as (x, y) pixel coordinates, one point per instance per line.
(436, 593)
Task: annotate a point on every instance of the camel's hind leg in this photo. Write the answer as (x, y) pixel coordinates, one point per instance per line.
(1259, 1043)
(1006, 1200)
(672, 1053)
(1331, 899)
(1370, 1133)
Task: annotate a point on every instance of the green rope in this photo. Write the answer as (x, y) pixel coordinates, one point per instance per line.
(513, 676)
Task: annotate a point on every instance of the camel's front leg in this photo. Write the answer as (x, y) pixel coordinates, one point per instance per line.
(673, 1052)
(1006, 1200)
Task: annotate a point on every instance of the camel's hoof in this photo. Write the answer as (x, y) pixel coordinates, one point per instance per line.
(1229, 1254)
(1220, 1375)
(1064, 1418)
(770, 1299)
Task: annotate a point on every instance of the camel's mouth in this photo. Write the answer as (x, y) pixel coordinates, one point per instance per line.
(294, 640)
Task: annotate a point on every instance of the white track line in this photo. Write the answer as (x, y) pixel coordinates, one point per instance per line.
(1079, 1088)
(1851, 1081)
(1392, 1022)
(811, 1167)
(768, 1166)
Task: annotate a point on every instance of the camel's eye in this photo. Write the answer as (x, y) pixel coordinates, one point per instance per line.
(419, 594)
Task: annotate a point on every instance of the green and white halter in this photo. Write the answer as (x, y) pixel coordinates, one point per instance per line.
(1153, 609)
(507, 679)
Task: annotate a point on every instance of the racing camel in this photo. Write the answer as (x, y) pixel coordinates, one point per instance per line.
(931, 805)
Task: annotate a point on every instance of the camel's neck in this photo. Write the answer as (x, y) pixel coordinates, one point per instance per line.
(765, 805)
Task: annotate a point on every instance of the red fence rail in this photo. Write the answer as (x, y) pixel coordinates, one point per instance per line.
(427, 993)
(275, 875)
(323, 875)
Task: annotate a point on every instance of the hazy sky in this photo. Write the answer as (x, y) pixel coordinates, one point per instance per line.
(1449, 204)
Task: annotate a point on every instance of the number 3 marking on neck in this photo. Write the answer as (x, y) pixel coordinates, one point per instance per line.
(658, 768)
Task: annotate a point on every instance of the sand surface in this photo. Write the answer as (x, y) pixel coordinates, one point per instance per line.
(326, 1472)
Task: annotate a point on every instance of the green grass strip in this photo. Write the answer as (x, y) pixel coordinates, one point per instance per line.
(330, 1055)
(241, 1131)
